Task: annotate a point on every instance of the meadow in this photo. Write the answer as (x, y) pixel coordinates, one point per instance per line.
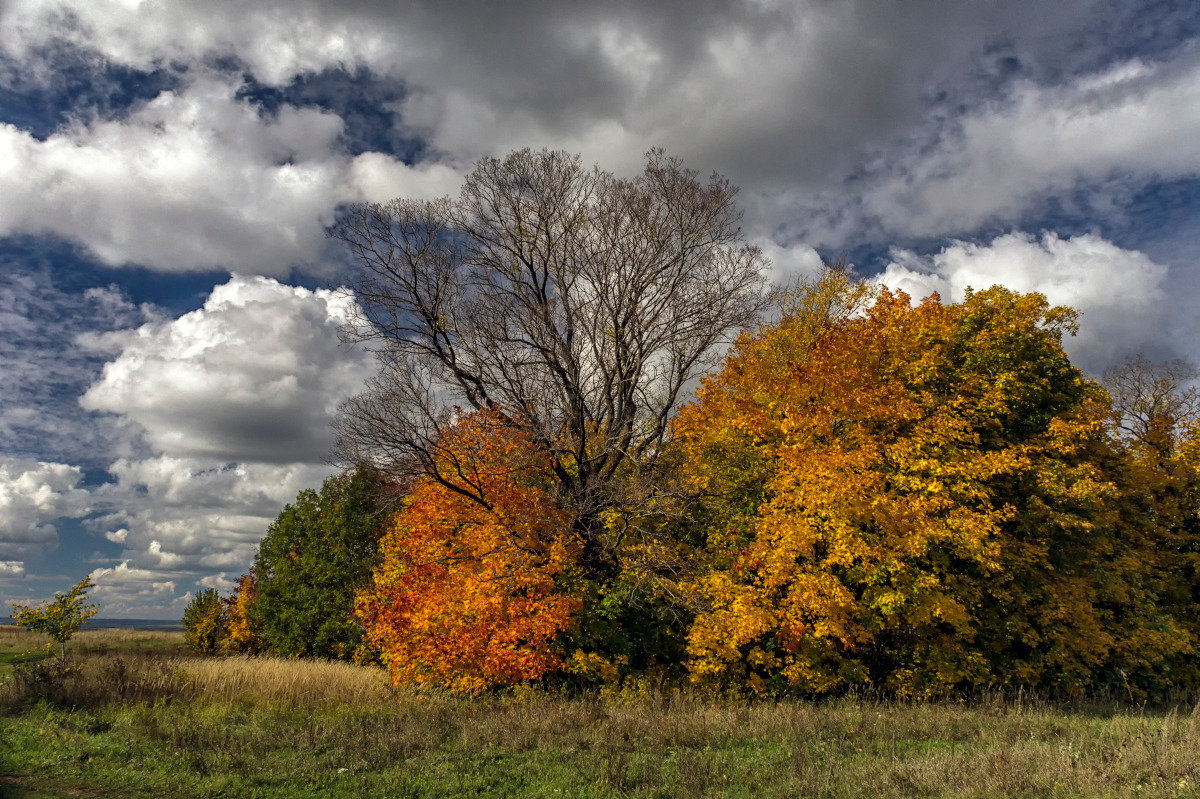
(135, 716)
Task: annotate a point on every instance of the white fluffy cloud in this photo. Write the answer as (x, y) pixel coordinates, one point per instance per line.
(275, 40)
(181, 521)
(196, 179)
(1118, 292)
(255, 375)
(373, 177)
(789, 264)
(33, 495)
(233, 404)
(178, 517)
(124, 589)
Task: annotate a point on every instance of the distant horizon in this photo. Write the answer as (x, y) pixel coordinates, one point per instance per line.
(100, 621)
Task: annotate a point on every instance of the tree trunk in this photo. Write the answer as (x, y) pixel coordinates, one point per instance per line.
(597, 562)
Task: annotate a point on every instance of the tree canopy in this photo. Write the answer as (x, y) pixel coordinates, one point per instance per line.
(918, 498)
(923, 498)
(466, 595)
(575, 303)
(205, 623)
(61, 617)
(318, 552)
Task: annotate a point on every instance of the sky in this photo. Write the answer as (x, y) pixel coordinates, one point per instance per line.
(169, 302)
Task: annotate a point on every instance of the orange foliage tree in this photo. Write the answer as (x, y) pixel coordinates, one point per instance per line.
(913, 498)
(466, 595)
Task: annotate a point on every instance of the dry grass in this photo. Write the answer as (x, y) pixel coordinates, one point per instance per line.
(274, 680)
(103, 640)
(101, 680)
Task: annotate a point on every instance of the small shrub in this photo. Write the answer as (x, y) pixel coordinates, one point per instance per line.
(205, 622)
(61, 617)
(43, 679)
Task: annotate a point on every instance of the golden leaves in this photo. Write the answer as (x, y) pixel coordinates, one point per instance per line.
(887, 442)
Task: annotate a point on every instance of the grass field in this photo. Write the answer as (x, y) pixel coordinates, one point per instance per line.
(135, 717)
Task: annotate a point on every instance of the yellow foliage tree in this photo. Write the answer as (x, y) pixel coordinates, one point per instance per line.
(241, 633)
(909, 497)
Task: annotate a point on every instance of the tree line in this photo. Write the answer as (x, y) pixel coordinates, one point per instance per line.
(923, 499)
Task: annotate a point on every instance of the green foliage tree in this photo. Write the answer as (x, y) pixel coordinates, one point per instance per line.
(60, 617)
(205, 622)
(319, 551)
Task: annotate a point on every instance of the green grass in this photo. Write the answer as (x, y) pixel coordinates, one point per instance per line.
(16, 648)
(149, 722)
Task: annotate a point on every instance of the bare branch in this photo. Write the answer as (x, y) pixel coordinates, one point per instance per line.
(1152, 401)
(578, 304)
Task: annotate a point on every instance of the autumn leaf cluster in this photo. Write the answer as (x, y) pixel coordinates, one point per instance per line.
(466, 594)
(923, 499)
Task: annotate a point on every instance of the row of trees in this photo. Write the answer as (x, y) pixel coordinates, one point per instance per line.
(924, 499)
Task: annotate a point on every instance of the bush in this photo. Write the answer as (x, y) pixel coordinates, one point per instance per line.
(205, 622)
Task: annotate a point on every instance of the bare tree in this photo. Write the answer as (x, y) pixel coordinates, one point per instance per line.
(574, 304)
(1152, 400)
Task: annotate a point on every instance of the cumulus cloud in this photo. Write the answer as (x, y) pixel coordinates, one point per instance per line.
(373, 177)
(181, 519)
(232, 405)
(255, 375)
(124, 589)
(219, 582)
(788, 264)
(1118, 292)
(196, 179)
(274, 40)
(33, 495)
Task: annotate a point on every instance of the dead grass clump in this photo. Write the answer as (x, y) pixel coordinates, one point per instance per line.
(271, 680)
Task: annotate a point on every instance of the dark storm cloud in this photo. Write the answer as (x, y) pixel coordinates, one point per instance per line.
(768, 92)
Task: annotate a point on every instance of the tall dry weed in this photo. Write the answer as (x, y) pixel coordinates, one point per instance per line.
(274, 680)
